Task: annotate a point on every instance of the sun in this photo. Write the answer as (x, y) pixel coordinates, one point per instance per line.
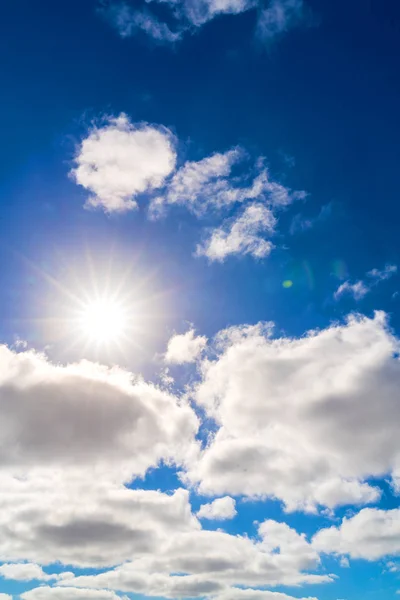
(103, 321)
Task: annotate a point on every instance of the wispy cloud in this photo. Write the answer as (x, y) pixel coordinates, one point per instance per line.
(381, 275)
(359, 289)
(279, 17)
(300, 223)
(189, 15)
(242, 235)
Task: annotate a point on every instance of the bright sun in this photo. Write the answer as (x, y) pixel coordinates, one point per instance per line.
(103, 321)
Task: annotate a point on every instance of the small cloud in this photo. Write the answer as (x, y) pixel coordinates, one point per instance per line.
(242, 235)
(120, 160)
(300, 223)
(220, 509)
(279, 17)
(381, 275)
(358, 290)
(185, 348)
(187, 16)
(129, 21)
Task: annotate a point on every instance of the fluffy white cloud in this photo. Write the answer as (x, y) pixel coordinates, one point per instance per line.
(242, 235)
(24, 572)
(208, 561)
(69, 437)
(296, 416)
(5, 597)
(240, 594)
(209, 184)
(119, 161)
(86, 414)
(185, 348)
(58, 593)
(219, 182)
(279, 17)
(220, 509)
(371, 534)
(85, 522)
(358, 290)
(188, 15)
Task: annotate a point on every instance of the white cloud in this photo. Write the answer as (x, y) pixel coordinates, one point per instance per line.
(209, 184)
(86, 414)
(59, 593)
(69, 437)
(242, 235)
(240, 594)
(358, 290)
(212, 186)
(310, 413)
(199, 12)
(5, 597)
(185, 348)
(85, 522)
(371, 534)
(208, 561)
(279, 17)
(189, 15)
(128, 21)
(119, 161)
(383, 274)
(220, 509)
(24, 572)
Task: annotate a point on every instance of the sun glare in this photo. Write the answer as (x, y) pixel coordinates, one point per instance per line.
(103, 321)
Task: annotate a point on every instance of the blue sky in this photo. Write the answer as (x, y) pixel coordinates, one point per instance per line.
(199, 301)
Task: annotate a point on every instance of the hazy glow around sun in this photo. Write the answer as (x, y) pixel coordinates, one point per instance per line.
(103, 320)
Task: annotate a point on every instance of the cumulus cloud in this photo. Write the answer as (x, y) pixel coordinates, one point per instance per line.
(209, 561)
(240, 594)
(220, 509)
(58, 593)
(185, 348)
(84, 522)
(25, 572)
(371, 534)
(5, 597)
(288, 414)
(119, 161)
(69, 437)
(242, 235)
(189, 15)
(86, 414)
(358, 290)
